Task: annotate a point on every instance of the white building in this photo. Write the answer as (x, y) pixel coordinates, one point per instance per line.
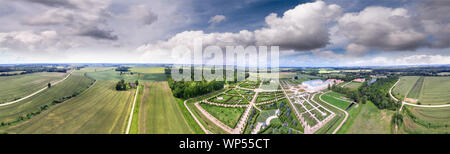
(315, 85)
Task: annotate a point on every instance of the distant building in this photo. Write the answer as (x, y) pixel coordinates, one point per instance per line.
(315, 85)
(360, 80)
(335, 81)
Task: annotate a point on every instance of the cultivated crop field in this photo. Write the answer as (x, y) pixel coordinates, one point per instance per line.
(405, 85)
(436, 90)
(353, 85)
(40, 102)
(18, 86)
(100, 109)
(420, 120)
(159, 113)
(112, 75)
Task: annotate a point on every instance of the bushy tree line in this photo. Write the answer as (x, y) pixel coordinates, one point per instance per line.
(378, 93)
(122, 85)
(189, 89)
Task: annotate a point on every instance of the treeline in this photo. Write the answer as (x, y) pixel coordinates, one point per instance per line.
(122, 85)
(189, 89)
(122, 68)
(29, 69)
(377, 92)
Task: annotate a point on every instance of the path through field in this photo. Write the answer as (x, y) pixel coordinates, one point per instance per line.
(345, 118)
(37, 92)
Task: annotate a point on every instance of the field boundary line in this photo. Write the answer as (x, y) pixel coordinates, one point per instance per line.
(410, 104)
(346, 114)
(37, 92)
(132, 111)
(195, 118)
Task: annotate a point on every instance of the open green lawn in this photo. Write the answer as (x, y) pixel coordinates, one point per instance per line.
(159, 112)
(336, 102)
(100, 109)
(229, 116)
(416, 89)
(436, 90)
(354, 85)
(265, 114)
(404, 86)
(18, 86)
(371, 120)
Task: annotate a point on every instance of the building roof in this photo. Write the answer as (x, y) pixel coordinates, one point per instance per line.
(315, 83)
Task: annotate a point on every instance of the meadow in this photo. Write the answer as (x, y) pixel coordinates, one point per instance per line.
(436, 90)
(75, 84)
(112, 75)
(371, 120)
(227, 115)
(159, 112)
(404, 86)
(415, 91)
(354, 85)
(100, 109)
(336, 102)
(18, 86)
(419, 120)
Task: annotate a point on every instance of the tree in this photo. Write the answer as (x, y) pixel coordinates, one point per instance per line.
(136, 82)
(49, 85)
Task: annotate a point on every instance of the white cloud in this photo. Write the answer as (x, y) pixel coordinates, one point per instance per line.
(421, 59)
(216, 19)
(301, 28)
(381, 28)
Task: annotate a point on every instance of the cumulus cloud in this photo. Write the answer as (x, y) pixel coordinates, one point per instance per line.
(421, 59)
(141, 13)
(301, 28)
(29, 40)
(436, 21)
(216, 19)
(381, 28)
(83, 19)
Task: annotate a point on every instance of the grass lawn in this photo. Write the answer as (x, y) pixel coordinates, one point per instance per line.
(371, 120)
(18, 86)
(354, 85)
(100, 109)
(227, 115)
(336, 102)
(159, 112)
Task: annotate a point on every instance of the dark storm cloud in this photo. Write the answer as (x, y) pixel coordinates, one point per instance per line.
(53, 3)
(150, 18)
(97, 33)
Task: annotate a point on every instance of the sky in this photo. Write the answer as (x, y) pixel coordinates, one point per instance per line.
(309, 33)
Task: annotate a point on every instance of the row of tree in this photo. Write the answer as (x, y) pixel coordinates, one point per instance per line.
(122, 85)
(377, 92)
(189, 89)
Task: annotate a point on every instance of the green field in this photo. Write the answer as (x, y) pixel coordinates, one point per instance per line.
(227, 115)
(419, 120)
(148, 69)
(415, 91)
(436, 90)
(18, 86)
(336, 102)
(100, 109)
(264, 115)
(159, 112)
(371, 120)
(404, 86)
(354, 85)
(112, 76)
